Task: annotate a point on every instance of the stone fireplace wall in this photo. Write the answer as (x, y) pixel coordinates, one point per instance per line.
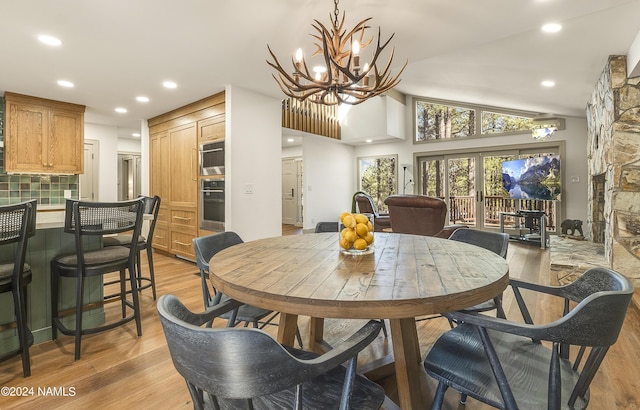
(613, 121)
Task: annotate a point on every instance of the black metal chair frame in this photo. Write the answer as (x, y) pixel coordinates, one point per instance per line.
(151, 206)
(504, 364)
(246, 314)
(17, 225)
(264, 372)
(98, 219)
(496, 242)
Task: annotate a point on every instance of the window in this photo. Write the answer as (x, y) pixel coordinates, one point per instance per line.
(496, 123)
(440, 121)
(378, 177)
(435, 121)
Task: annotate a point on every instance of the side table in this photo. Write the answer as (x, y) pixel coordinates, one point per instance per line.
(530, 218)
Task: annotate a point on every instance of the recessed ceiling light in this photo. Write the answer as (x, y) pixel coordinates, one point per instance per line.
(49, 40)
(551, 28)
(65, 83)
(548, 83)
(368, 141)
(121, 110)
(290, 139)
(142, 98)
(135, 134)
(169, 84)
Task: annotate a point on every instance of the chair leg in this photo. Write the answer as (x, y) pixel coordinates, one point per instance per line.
(54, 302)
(231, 322)
(79, 304)
(499, 309)
(138, 270)
(463, 399)
(206, 295)
(438, 399)
(299, 337)
(152, 274)
(123, 293)
(384, 328)
(19, 302)
(136, 300)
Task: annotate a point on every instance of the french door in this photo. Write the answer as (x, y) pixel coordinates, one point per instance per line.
(471, 184)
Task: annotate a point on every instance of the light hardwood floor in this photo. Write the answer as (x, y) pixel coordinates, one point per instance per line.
(118, 370)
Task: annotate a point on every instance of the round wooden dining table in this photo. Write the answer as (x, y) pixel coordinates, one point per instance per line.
(405, 276)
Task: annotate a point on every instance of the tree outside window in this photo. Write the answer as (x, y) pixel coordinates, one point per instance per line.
(437, 121)
(378, 177)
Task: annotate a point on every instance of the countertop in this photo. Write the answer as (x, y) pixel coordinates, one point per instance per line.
(50, 217)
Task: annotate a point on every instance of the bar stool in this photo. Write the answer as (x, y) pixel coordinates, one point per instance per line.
(151, 206)
(17, 225)
(85, 219)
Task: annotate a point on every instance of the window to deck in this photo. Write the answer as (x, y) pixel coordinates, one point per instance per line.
(378, 176)
(471, 184)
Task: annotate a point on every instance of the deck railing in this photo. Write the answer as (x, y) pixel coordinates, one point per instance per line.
(463, 210)
(310, 117)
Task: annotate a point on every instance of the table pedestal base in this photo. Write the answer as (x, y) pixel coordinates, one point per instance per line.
(406, 361)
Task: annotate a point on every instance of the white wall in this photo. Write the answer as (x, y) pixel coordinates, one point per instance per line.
(253, 154)
(146, 161)
(328, 171)
(129, 145)
(108, 160)
(379, 119)
(292, 152)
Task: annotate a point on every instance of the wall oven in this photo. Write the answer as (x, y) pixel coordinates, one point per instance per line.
(212, 204)
(211, 158)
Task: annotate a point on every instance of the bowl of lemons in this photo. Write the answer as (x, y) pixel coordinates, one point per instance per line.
(356, 233)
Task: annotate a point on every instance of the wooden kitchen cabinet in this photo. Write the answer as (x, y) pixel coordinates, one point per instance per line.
(43, 136)
(184, 165)
(183, 227)
(160, 172)
(211, 129)
(173, 142)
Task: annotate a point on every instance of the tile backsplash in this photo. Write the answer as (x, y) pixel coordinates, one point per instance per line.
(47, 189)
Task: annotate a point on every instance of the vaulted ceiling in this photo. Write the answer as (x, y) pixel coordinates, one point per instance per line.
(488, 52)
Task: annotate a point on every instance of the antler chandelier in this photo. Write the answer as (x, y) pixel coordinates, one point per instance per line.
(341, 80)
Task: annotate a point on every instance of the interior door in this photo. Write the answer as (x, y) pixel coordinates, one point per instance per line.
(88, 180)
(289, 187)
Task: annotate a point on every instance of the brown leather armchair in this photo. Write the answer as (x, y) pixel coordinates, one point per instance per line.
(419, 215)
(366, 205)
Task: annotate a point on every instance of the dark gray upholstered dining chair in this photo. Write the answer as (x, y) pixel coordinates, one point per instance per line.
(326, 227)
(238, 368)
(504, 364)
(205, 248)
(151, 206)
(17, 225)
(496, 242)
(86, 219)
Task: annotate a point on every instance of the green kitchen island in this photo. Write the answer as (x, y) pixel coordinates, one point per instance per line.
(50, 240)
